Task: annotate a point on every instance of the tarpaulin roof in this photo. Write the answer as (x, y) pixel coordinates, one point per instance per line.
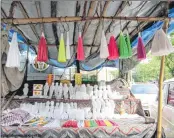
(92, 35)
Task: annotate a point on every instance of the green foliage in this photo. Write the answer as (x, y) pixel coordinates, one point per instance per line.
(145, 72)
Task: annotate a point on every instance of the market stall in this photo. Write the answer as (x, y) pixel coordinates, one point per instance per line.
(89, 35)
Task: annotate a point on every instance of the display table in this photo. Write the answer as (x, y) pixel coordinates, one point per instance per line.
(127, 128)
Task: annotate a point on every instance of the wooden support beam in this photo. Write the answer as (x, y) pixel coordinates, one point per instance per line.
(24, 21)
(90, 13)
(54, 25)
(25, 14)
(100, 22)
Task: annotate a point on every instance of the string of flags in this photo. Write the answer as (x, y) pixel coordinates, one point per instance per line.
(161, 45)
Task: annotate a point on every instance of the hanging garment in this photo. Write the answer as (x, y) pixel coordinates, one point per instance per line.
(123, 48)
(42, 50)
(127, 38)
(161, 44)
(104, 52)
(62, 54)
(13, 56)
(113, 49)
(141, 51)
(80, 50)
(68, 53)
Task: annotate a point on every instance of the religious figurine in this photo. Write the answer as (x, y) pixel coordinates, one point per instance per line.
(60, 91)
(91, 92)
(95, 91)
(25, 90)
(46, 88)
(71, 91)
(65, 91)
(100, 92)
(56, 92)
(52, 89)
(88, 88)
(83, 92)
(105, 93)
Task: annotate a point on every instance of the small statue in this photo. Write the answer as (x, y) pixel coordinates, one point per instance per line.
(56, 90)
(100, 92)
(25, 90)
(60, 91)
(91, 91)
(96, 91)
(46, 89)
(71, 91)
(65, 91)
(105, 93)
(83, 91)
(52, 89)
(88, 89)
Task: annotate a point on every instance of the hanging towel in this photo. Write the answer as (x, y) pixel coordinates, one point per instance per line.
(104, 52)
(141, 51)
(62, 54)
(127, 38)
(42, 50)
(123, 50)
(113, 49)
(80, 50)
(161, 44)
(68, 53)
(13, 56)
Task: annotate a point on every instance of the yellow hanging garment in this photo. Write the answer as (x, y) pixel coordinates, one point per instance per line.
(62, 52)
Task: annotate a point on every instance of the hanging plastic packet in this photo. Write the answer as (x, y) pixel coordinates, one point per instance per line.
(123, 49)
(80, 50)
(13, 57)
(68, 53)
(61, 54)
(113, 49)
(104, 52)
(161, 44)
(141, 51)
(127, 38)
(42, 55)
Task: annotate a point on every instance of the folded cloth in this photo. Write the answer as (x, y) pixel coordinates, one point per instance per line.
(93, 123)
(100, 123)
(113, 123)
(87, 123)
(70, 123)
(107, 123)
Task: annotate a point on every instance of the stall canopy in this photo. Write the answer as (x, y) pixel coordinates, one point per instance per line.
(28, 34)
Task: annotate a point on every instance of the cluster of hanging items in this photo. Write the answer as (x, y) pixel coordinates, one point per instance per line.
(13, 56)
(42, 55)
(141, 51)
(161, 44)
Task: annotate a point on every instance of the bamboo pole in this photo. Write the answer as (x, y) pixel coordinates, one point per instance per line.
(24, 21)
(160, 99)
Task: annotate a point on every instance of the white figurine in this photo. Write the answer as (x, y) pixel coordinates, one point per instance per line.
(56, 90)
(100, 92)
(96, 91)
(105, 93)
(91, 92)
(88, 88)
(71, 91)
(60, 91)
(25, 90)
(46, 89)
(52, 89)
(65, 91)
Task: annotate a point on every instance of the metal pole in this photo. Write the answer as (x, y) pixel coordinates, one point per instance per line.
(160, 99)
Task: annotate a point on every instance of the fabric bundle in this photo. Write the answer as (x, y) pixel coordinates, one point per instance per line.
(93, 123)
(13, 56)
(123, 48)
(42, 50)
(62, 54)
(127, 38)
(141, 51)
(104, 52)
(113, 49)
(70, 123)
(161, 45)
(87, 123)
(80, 50)
(113, 123)
(100, 123)
(108, 123)
(68, 53)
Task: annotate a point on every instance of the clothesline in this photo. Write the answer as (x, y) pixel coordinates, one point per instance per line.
(25, 21)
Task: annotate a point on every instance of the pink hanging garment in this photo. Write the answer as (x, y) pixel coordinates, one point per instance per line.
(141, 51)
(113, 49)
(80, 50)
(42, 55)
